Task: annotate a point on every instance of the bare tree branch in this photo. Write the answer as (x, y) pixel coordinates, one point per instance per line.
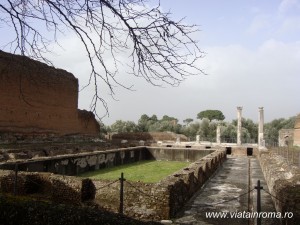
(160, 49)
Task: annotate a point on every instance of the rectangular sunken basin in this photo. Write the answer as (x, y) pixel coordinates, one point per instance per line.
(147, 171)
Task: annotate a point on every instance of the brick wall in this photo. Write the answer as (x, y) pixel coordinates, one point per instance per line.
(297, 131)
(36, 98)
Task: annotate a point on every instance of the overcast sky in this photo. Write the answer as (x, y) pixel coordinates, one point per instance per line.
(252, 59)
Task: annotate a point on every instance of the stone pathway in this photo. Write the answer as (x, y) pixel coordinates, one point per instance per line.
(228, 192)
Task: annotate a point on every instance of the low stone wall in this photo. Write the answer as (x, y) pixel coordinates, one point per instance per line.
(149, 136)
(178, 154)
(284, 184)
(156, 201)
(23, 211)
(161, 200)
(66, 146)
(73, 164)
(242, 150)
(57, 188)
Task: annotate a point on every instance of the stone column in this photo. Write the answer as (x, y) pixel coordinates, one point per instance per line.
(261, 127)
(198, 139)
(239, 125)
(218, 134)
(177, 140)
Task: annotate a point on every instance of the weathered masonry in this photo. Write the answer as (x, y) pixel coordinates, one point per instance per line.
(283, 181)
(162, 200)
(297, 131)
(74, 164)
(156, 201)
(290, 137)
(39, 99)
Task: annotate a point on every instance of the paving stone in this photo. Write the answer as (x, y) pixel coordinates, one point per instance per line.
(227, 192)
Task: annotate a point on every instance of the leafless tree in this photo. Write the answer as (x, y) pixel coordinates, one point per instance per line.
(161, 50)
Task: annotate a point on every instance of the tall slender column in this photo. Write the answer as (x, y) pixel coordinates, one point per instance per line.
(239, 125)
(198, 138)
(218, 134)
(261, 128)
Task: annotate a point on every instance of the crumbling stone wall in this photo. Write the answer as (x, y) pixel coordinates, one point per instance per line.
(49, 149)
(57, 188)
(161, 200)
(241, 151)
(285, 137)
(283, 181)
(24, 211)
(149, 136)
(73, 164)
(36, 98)
(156, 201)
(297, 131)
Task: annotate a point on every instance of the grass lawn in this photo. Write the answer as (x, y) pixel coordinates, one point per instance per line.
(147, 171)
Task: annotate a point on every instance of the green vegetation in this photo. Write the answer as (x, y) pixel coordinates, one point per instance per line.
(211, 115)
(205, 127)
(148, 171)
(272, 128)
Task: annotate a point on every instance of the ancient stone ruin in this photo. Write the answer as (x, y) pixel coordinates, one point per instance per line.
(285, 137)
(290, 137)
(51, 178)
(297, 131)
(149, 136)
(37, 99)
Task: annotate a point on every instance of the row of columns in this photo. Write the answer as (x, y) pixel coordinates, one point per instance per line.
(261, 142)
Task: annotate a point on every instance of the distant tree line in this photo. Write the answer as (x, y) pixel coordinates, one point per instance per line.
(271, 130)
(205, 126)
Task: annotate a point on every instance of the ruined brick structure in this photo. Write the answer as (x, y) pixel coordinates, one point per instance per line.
(37, 98)
(285, 137)
(297, 131)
